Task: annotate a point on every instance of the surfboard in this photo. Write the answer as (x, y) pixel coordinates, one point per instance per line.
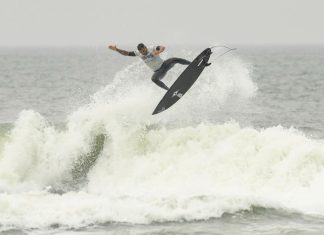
(184, 82)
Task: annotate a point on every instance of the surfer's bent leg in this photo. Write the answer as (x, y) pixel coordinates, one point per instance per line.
(175, 60)
(157, 76)
(167, 65)
(182, 61)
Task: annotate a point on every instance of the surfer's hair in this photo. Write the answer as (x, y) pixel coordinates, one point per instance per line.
(140, 46)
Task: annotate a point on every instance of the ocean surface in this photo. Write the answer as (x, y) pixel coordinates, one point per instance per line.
(241, 153)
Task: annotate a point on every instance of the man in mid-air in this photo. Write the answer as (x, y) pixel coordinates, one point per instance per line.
(151, 57)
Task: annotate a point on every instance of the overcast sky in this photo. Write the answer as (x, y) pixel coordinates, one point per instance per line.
(99, 22)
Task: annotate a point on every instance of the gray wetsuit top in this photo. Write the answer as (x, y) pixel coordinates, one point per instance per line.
(153, 61)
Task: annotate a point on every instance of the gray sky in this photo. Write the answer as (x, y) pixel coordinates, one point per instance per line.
(98, 22)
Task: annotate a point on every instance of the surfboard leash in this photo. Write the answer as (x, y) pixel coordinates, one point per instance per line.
(229, 49)
(222, 46)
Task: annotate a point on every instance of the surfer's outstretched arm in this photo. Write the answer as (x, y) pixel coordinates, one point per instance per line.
(120, 51)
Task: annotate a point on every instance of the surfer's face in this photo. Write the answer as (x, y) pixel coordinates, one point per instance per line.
(143, 50)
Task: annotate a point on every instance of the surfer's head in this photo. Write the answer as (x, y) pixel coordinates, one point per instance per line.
(142, 49)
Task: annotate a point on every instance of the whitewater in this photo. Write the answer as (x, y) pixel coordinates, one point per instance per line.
(110, 163)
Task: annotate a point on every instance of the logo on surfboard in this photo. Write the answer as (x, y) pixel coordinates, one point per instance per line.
(177, 93)
(200, 62)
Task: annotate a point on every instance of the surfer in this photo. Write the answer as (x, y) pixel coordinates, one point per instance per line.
(151, 57)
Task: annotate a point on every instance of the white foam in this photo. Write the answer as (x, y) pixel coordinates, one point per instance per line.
(184, 173)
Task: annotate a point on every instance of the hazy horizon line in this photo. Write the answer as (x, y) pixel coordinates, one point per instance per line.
(171, 44)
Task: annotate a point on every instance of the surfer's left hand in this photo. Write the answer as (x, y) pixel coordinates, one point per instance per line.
(112, 47)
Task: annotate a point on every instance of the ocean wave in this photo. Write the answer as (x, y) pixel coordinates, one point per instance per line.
(115, 162)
